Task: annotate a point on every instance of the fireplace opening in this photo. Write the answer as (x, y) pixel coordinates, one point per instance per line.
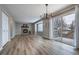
(25, 30)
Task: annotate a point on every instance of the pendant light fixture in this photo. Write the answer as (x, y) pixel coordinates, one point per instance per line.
(46, 15)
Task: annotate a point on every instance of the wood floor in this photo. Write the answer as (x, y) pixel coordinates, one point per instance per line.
(36, 45)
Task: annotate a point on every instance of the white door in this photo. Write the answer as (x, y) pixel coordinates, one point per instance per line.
(4, 29)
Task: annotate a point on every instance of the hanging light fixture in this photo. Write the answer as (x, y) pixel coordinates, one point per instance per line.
(46, 14)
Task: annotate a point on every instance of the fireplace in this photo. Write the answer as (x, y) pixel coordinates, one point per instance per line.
(25, 30)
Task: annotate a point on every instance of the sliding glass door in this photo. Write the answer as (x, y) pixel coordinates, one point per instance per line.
(57, 26)
(68, 27)
(63, 29)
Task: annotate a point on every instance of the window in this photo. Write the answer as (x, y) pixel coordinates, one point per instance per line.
(40, 27)
(5, 30)
(69, 19)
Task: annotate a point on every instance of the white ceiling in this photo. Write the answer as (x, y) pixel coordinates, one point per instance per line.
(29, 13)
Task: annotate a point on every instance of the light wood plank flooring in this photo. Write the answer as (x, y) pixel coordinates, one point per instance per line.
(36, 45)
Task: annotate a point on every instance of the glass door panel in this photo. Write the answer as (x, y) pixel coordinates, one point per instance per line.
(68, 27)
(57, 25)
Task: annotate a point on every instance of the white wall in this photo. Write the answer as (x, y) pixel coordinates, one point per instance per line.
(51, 29)
(18, 28)
(35, 32)
(46, 28)
(11, 27)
